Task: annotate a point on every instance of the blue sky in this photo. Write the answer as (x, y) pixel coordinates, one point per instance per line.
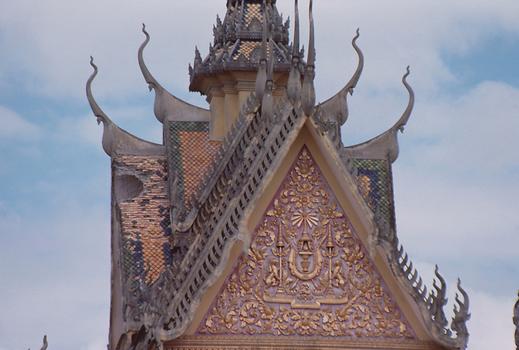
(456, 181)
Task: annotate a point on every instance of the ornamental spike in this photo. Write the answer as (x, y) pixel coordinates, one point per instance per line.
(294, 79)
(308, 91)
(261, 78)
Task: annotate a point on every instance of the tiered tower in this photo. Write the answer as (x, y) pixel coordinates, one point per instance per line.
(252, 226)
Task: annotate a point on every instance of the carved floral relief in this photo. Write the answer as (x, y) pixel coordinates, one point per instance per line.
(306, 272)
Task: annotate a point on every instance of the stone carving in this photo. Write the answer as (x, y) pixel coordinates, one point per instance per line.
(117, 141)
(306, 272)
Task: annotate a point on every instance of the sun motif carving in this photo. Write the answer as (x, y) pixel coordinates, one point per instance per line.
(306, 272)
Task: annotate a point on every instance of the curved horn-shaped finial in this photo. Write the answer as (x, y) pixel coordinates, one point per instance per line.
(261, 78)
(45, 343)
(355, 79)
(385, 146)
(167, 105)
(294, 79)
(308, 90)
(148, 77)
(98, 112)
(402, 122)
(116, 140)
(336, 107)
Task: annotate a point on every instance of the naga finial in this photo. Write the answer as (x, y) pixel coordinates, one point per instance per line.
(148, 77)
(439, 300)
(98, 112)
(45, 343)
(461, 315)
(308, 90)
(402, 122)
(352, 84)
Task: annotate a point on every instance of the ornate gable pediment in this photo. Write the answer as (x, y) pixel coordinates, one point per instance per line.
(306, 273)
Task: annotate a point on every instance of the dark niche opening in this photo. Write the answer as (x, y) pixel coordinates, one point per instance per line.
(127, 187)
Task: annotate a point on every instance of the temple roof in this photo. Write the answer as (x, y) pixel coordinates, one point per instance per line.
(178, 207)
(237, 44)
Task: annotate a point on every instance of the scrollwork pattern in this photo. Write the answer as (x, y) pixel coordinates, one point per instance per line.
(306, 272)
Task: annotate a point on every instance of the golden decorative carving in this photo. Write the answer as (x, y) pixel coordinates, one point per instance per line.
(306, 272)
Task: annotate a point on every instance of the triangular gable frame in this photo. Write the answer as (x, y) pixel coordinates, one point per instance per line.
(350, 199)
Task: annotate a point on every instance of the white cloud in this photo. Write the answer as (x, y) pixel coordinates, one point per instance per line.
(58, 267)
(14, 127)
(52, 40)
(96, 344)
(491, 325)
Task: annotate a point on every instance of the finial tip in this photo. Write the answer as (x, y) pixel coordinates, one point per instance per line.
(92, 63)
(144, 30)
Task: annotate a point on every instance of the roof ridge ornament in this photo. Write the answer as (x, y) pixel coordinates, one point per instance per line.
(308, 89)
(461, 314)
(385, 145)
(336, 107)
(100, 115)
(166, 105)
(261, 78)
(432, 304)
(116, 140)
(267, 103)
(439, 300)
(334, 112)
(45, 343)
(294, 79)
(402, 122)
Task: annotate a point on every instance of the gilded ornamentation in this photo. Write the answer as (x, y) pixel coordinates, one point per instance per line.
(306, 272)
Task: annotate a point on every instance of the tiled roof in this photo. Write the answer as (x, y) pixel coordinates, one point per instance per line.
(248, 48)
(145, 222)
(253, 12)
(373, 178)
(190, 152)
(145, 219)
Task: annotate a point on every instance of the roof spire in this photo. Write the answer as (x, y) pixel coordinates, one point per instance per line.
(294, 79)
(267, 104)
(261, 78)
(295, 49)
(308, 92)
(311, 44)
